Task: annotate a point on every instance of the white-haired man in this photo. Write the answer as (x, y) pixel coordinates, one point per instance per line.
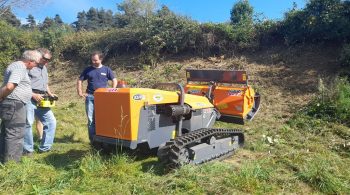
(15, 92)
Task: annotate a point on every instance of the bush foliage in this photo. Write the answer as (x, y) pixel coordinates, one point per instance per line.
(333, 102)
(141, 30)
(345, 56)
(13, 42)
(320, 20)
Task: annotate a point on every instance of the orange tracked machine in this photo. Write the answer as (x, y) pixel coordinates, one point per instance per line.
(178, 122)
(178, 125)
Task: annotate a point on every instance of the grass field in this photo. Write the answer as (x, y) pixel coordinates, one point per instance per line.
(290, 159)
(286, 152)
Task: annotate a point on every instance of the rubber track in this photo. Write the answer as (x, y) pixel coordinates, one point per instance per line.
(181, 142)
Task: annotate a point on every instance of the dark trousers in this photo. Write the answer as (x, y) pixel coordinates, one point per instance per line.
(13, 120)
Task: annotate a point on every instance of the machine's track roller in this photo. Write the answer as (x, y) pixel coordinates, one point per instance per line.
(183, 150)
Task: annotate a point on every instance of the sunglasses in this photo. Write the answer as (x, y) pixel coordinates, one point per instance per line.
(46, 59)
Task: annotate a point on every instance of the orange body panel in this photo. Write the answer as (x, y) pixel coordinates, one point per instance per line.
(109, 107)
(229, 100)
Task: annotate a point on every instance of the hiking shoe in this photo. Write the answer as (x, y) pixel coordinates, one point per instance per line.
(44, 151)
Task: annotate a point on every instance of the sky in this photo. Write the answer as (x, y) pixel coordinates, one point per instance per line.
(216, 11)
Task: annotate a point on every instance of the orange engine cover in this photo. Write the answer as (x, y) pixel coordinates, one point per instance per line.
(113, 115)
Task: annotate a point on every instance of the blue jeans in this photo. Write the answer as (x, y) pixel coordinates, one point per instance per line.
(90, 113)
(45, 115)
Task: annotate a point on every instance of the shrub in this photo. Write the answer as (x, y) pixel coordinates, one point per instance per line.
(165, 32)
(216, 38)
(221, 38)
(320, 20)
(51, 37)
(13, 42)
(342, 100)
(267, 32)
(333, 102)
(345, 56)
(78, 44)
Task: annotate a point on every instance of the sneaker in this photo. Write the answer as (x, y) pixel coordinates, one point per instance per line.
(44, 151)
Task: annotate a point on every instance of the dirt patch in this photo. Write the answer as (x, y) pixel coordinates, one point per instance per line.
(286, 78)
(242, 156)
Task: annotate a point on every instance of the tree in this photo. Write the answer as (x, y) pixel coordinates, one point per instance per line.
(31, 21)
(136, 10)
(9, 17)
(120, 20)
(82, 21)
(47, 23)
(57, 19)
(320, 20)
(92, 19)
(105, 18)
(244, 32)
(164, 11)
(109, 18)
(242, 13)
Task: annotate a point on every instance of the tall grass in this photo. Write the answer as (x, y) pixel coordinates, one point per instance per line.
(323, 173)
(332, 102)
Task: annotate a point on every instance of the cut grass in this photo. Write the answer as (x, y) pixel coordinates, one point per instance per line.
(282, 154)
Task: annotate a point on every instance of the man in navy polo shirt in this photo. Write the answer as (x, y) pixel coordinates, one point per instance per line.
(97, 76)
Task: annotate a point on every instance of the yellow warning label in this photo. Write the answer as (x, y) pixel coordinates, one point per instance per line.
(173, 134)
